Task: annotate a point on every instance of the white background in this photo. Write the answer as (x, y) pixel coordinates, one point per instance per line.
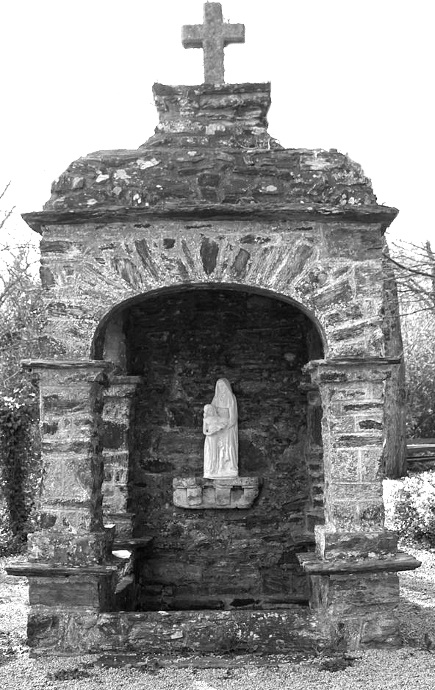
(76, 77)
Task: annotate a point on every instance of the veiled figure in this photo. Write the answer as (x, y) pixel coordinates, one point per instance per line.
(221, 433)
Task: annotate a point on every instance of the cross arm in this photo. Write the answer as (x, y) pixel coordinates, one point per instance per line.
(192, 36)
(234, 33)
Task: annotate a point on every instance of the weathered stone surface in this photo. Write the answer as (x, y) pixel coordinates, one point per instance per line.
(347, 516)
(225, 137)
(81, 590)
(199, 493)
(354, 545)
(60, 547)
(171, 632)
(358, 609)
(130, 259)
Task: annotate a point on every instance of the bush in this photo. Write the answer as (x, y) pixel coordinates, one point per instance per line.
(20, 470)
(411, 508)
(22, 318)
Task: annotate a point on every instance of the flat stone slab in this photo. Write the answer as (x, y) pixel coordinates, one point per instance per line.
(316, 566)
(225, 493)
(31, 569)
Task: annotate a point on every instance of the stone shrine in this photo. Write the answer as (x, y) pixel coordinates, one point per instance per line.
(209, 253)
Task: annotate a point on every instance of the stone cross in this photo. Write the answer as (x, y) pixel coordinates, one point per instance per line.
(213, 36)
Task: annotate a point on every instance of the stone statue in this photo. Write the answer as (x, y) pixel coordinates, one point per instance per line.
(221, 434)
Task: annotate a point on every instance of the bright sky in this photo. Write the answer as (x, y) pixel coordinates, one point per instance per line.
(355, 76)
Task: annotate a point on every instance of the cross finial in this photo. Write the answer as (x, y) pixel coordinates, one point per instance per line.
(213, 36)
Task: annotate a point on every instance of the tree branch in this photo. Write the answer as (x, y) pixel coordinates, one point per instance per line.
(408, 268)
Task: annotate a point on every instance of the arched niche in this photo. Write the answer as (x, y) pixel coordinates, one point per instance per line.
(179, 342)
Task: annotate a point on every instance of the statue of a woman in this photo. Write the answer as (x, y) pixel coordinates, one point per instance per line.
(221, 433)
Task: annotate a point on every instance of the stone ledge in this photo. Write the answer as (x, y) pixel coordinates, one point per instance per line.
(124, 380)
(132, 544)
(30, 569)
(194, 211)
(225, 493)
(347, 362)
(66, 364)
(313, 565)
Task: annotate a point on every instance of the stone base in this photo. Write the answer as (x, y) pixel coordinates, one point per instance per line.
(217, 632)
(297, 628)
(355, 600)
(225, 492)
(357, 610)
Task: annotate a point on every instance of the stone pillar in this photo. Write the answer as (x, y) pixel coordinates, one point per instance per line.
(355, 587)
(116, 416)
(352, 395)
(67, 554)
(71, 528)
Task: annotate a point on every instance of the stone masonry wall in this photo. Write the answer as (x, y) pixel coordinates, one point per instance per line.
(181, 344)
(211, 145)
(333, 269)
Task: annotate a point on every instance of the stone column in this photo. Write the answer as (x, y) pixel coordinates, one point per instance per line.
(353, 571)
(352, 395)
(71, 528)
(116, 416)
(68, 573)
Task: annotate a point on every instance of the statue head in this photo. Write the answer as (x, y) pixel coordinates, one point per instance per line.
(223, 393)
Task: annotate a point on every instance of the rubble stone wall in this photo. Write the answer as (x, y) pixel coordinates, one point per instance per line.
(181, 344)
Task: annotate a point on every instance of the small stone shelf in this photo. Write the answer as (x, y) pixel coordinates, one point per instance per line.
(131, 544)
(199, 493)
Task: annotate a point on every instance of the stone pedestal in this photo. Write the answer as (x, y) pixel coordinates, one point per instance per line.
(201, 493)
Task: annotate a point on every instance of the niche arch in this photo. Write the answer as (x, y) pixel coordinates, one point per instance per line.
(174, 344)
(111, 323)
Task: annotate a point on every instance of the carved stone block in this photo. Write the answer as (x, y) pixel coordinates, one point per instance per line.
(201, 493)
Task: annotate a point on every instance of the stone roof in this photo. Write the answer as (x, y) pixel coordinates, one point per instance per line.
(211, 147)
